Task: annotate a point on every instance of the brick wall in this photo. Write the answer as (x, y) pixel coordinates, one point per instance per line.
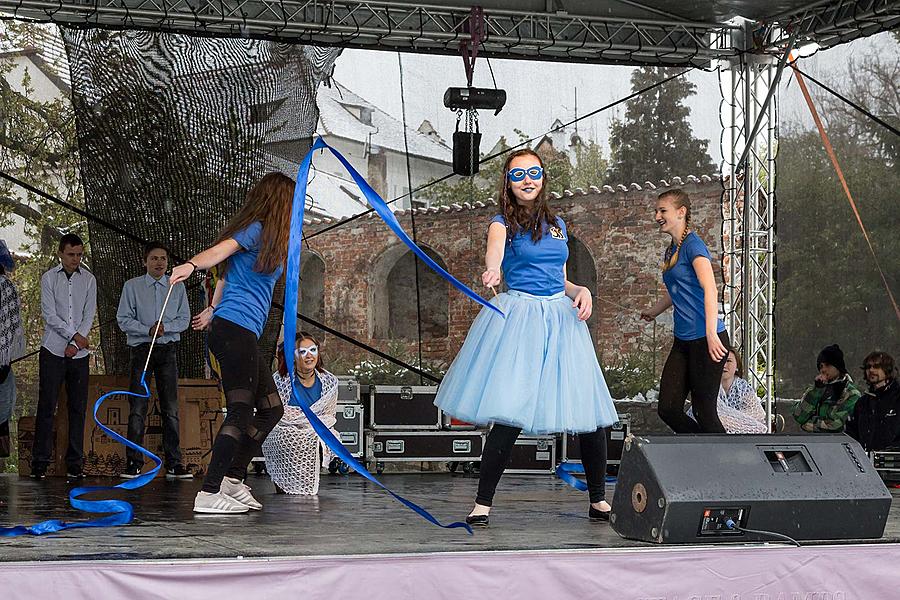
(615, 227)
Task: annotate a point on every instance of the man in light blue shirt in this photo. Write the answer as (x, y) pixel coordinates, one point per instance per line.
(138, 316)
(68, 306)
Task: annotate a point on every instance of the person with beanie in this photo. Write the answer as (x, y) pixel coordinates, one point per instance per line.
(827, 404)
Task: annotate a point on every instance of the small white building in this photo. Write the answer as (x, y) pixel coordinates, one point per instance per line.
(372, 141)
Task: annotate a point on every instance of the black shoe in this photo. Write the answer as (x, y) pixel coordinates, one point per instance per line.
(38, 472)
(478, 520)
(74, 474)
(179, 472)
(598, 515)
(130, 472)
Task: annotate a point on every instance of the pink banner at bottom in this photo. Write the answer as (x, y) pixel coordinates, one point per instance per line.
(850, 572)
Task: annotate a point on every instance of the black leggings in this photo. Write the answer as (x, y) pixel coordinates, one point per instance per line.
(689, 368)
(248, 384)
(498, 448)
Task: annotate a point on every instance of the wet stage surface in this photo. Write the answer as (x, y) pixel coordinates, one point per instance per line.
(349, 516)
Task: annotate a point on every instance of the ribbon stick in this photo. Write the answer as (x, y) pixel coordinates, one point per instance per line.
(120, 511)
(291, 293)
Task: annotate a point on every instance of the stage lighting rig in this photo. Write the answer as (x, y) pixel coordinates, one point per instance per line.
(469, 98)
(467, 101)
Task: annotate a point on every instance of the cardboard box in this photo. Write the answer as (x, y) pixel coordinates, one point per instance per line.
(199, 415)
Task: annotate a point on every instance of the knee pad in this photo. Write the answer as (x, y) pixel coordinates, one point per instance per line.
(239, 410)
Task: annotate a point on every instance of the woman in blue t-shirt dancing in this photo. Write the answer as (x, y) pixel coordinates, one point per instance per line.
(255, 244)
(535, 370)
(699, 349)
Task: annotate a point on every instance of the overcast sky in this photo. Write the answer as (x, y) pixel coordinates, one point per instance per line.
(540, 92)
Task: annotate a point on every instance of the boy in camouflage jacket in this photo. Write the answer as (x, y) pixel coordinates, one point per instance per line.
(828, 403)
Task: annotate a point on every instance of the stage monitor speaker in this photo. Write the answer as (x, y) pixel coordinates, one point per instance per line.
(689, 489)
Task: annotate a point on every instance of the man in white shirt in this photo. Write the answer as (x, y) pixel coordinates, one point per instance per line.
(138, 315)
(68, 306)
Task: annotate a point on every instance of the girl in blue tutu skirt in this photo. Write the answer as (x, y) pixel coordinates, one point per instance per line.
(534, 370)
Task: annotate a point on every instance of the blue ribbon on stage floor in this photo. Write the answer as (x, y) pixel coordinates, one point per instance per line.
(119, 512)
(291, 292)
(567, 472)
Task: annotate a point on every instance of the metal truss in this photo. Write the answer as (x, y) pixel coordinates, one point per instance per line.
(831, 22)
(400, 26)
(748, 211)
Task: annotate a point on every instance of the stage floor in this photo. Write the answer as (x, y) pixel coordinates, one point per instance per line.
(349, 517)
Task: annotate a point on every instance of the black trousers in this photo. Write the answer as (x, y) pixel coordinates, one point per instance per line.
(164, 366)
(249, 387)
(690, 369)
(498, 448)
(54, 371)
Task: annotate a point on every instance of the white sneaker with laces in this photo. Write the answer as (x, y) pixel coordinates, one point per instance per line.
(239, 491)
(217, 503)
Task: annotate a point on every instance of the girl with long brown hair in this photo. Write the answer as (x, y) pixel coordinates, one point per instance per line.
(536, 369)
(699, 349)
(254, 244)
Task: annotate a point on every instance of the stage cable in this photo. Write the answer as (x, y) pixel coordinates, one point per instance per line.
(735, 527)
(412, 218)
(847, 101)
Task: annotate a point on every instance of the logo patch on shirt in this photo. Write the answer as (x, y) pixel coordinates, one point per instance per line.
(556, 233)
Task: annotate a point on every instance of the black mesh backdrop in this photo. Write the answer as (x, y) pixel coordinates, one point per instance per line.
(173, 130)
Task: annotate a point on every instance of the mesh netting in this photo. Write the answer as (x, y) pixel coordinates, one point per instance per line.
(173, 131)
(292, 448)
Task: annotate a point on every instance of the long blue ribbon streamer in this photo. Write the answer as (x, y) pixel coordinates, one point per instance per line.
(384, 211)
(567, 472)
(121, 512)
(291, 294)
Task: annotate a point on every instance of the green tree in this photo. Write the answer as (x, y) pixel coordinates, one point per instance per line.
(655, 141)
(829, 289)
(590, 166)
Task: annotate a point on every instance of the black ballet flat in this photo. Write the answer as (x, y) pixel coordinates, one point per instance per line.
(478, 520)
(598, 515)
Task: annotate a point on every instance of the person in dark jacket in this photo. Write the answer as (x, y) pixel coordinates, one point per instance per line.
(828, 403)
(875, 422)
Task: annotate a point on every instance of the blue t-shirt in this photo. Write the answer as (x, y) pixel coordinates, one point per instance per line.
(248, 293)
(536, 267)
(310, 394)
(686, 292)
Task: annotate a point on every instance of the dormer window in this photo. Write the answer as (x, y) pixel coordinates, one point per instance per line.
(363, 114)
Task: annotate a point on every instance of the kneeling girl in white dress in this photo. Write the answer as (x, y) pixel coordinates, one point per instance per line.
(292, 449)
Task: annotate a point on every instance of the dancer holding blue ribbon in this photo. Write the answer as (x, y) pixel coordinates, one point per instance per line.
(254, 244)
(535, 370)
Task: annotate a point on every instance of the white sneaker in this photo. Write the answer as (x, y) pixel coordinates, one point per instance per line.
(239, 491)
(217, 503)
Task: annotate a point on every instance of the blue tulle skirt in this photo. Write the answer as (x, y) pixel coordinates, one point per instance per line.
(535, 369)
